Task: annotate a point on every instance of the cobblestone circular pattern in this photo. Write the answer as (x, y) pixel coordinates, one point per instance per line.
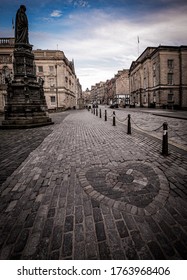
(139, 188)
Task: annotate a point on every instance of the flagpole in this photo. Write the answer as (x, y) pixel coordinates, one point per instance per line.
(13, 26)
(138, 45)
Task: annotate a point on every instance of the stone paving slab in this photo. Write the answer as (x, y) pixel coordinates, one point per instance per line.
(90, 191)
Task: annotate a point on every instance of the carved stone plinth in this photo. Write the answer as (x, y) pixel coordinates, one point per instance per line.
(26, 105)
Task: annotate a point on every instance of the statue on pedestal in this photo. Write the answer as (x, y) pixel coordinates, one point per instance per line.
(26, 105)
(21, 27)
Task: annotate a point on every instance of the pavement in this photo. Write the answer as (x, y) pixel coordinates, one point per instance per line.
(85, 189)
(177, 114)
(150, 122)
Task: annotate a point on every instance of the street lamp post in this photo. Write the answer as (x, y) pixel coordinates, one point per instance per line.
(56, 88)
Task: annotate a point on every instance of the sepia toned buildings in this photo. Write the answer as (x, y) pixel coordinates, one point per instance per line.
(110, 90)
(6, 67)
(61, 85)
(158, 78)
(98, 93)
(122, 87)
(113, 90)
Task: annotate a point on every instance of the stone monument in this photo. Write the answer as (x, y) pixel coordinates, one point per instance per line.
(26, 105)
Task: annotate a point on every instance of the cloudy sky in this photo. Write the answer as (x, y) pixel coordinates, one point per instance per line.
(101, 35)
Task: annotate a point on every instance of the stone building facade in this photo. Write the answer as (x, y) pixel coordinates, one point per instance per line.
(122, 87)
(113, 90)
(61, 86)
(79, 95)
(87, 97)
(60, 82)
(158, 78)
(98, 93)
(93, 94)
(6, 67)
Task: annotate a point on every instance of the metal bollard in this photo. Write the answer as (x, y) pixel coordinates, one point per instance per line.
(114, 118)
(165, 139)
(96, 112)
(100, 113)
(129, 124)
(105, 115)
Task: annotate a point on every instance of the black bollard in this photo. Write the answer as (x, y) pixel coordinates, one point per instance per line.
(96, 112)
(100, 113)
(165, 139)
(129, 124)
(114, 118)
(105, 115)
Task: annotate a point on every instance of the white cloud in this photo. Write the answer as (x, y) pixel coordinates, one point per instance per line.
(79, 3)
(101, 44)
(56, 13)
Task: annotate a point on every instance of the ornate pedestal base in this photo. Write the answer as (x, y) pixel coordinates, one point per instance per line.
(26, 105)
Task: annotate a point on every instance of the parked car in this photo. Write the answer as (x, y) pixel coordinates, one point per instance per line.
(114, 105)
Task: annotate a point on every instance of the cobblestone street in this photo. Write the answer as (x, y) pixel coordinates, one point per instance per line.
(84, 189)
